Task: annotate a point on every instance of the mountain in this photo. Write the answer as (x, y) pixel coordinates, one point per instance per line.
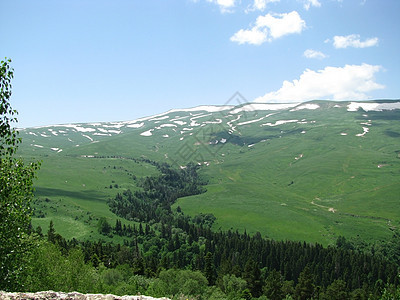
(301, 171)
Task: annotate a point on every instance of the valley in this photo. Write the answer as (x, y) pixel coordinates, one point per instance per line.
(306, 171)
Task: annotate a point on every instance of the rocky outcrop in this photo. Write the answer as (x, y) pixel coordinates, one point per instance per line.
(70, 296)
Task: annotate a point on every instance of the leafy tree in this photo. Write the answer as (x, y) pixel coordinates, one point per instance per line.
(49, 269)
(178, 282)
(234, 286)
(15, 190)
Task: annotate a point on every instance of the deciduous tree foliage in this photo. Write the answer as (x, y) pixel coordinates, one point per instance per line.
(15, 190)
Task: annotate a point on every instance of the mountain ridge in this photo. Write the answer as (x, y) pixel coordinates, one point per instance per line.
(216, 109)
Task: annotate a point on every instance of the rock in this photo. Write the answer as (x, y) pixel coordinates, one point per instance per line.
(47, 295)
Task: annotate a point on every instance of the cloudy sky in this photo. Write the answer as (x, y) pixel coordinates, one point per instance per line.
(110, 60)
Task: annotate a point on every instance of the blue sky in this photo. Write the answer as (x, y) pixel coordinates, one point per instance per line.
(98, 60)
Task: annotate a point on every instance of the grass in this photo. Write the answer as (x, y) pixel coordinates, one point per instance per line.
(302, 180)
(73, 192)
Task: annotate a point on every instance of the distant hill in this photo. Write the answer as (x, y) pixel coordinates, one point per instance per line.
(302, 171)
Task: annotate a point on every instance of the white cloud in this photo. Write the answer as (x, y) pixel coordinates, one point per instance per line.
(224, 5)
(253, 36)
(310, 53)
(261, 4)
(270, 27)
(309, 3)
(350, 82)
(353, 40)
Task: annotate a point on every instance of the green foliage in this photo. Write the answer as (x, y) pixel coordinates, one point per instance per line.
(179, 282)
(273, 286)
(252, 275)
(8, 134)
(209, 269)
(49, 269)
(390, 292)
(158, 194)
(305, 288)
(16, 179)
(234, 287)
(336, 291)
(103, 226)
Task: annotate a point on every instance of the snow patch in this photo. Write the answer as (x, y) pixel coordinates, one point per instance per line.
(159, 119)
(233, 128)
(86, 136)
(366, 129)
(263, 106)
(298, 157)
(254, 121)
(367, 123)
(207, 108)
(83, 129)
(102, 134)
(373, 106)
(53, 132)
(180, 122)
(306, 106)
(147, 133)
(280, 122)
(138, 125)
(115, 131)
(217, 121)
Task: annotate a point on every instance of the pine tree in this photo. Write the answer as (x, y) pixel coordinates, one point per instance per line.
(209, 270)
(273, 286)
(305, 287)
(252, 275)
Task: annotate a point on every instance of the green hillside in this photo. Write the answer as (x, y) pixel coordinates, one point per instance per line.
(309, 171)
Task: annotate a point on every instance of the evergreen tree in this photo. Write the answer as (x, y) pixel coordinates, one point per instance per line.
(209, 270)
(305, 287)
(51, 232)
(252, 275)
(336, 291)
(273, 286)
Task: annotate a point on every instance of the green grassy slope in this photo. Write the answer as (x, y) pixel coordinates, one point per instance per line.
(301, 174)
